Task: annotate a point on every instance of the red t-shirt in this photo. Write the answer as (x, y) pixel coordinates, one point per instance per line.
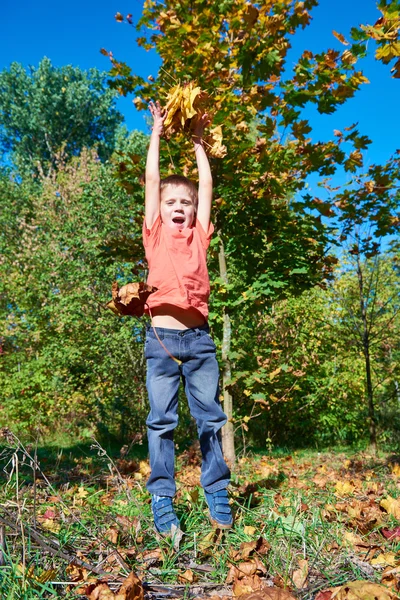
(177, 265)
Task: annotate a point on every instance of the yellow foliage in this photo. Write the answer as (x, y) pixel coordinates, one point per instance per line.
(185, 105)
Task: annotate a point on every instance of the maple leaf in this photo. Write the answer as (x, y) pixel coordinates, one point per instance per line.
(357, 590)
(185, 105)
(130, 299)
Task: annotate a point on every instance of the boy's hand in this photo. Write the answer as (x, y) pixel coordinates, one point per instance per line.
(201, 123)
(159, 115)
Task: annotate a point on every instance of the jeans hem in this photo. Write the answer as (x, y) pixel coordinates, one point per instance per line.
(161, 493)
(216, 487)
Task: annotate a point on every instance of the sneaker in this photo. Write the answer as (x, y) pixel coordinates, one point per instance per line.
(164, 514)
(220, 511)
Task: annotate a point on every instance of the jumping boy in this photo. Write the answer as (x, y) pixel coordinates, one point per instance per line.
(176, 235)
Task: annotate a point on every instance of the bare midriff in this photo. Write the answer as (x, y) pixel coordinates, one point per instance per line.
(173, 317)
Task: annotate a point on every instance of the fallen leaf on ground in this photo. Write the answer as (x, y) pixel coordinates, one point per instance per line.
(111, 535)
(344, 488)
(260, 546)
(245, 569)
(392, 506)
(358, 590)
(268, 593)
(76, 573)
(388, 559)
(249, 530)
(131, 589)
(391, 579)
(396, 470)
(300, 576)
(391, 534)
(187, 577)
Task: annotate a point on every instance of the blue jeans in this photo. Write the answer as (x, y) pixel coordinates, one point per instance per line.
(199, 373)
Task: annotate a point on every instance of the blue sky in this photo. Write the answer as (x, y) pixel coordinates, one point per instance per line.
(74, 32)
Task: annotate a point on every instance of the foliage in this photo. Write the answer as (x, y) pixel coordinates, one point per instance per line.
(276, 237)
(67, 361)
(49, 113)
(304, 524)
(385, 32)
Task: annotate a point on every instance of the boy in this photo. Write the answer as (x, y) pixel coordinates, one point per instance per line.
(176, 235)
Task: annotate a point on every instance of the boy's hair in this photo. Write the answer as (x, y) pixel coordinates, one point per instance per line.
(181, 180)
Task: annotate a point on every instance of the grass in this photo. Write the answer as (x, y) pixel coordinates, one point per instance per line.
(307, 522)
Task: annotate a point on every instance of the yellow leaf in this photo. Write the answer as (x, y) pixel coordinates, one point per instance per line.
(340, 37)
(249, 530)
(361, 590)
(392, 506)
(275, 373)
(388, 559)
(396, 470)
(344, 488)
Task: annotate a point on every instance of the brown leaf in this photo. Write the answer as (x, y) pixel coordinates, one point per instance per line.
(111, 535)
(300, 576)
(340, 37)
(130, 299)
(76, 573)
(326, 595)
(101, 592)
(269, 593)
(247, 585)
(187, 577)
(131, 589)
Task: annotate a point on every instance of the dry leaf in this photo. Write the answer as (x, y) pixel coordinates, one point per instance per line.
(392, 506)
(396, 470)
(187, 577)
(388, 559)
(269, 593)
(111, 535)
(76, 573)
(359, 590)
(344, 488)
(130, 299)
(299, 576)
(391, 534)
(249, 530)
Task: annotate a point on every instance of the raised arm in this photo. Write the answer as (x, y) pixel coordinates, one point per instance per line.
(152, 184)
(205, 177)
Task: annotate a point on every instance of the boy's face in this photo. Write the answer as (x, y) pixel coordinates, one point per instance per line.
(177, 208)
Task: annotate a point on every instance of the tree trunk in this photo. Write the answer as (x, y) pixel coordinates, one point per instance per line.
(228, 438)
(367, 358)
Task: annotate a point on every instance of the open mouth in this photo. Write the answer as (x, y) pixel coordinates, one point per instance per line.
(178, 220)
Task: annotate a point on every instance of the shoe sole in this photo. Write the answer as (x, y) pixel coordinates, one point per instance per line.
(218, 525)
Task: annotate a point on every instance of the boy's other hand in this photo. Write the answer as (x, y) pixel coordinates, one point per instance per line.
(201, 123)
(159, 115)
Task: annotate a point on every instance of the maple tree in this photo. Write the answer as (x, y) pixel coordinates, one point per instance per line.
(271, 240)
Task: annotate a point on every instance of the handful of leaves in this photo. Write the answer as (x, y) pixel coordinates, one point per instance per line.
(185, 105)
(130, 299)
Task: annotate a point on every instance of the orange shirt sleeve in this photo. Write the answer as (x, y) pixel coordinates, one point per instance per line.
(204, 237)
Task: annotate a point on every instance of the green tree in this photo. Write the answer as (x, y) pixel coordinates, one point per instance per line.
(49, 114)
(67, 363)
(271, 241)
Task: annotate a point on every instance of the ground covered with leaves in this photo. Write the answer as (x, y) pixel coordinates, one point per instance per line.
(77, 524)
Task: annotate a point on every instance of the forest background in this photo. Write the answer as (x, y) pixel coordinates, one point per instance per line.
(305, 264)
